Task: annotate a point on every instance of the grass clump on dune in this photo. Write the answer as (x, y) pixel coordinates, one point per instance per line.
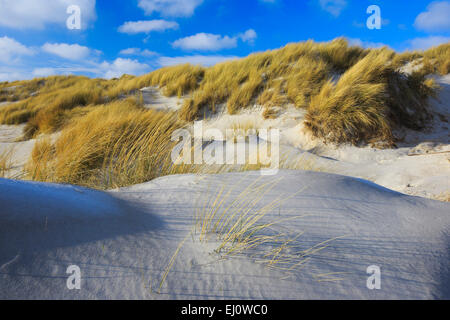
(117, 144)
(246, 224)
(367, 101)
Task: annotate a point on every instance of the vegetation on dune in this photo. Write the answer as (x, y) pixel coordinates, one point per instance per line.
(129, 145)
(367, 100)
(435, 60)
(324, 78)
(350, 94)
(6, 163)
(291, 74)
(108, 139)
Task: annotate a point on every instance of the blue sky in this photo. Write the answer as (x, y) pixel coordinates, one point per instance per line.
(137, 36)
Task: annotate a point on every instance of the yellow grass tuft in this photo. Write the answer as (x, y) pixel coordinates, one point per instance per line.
(128, 146)
(368, 100)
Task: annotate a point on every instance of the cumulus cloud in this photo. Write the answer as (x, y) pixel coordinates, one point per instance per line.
(37, 64)
(138, 52)
(427, 42)
(105, 69)
(194, 59)
(44, 72)
(213, 42)
(436, 18)
(147, 26)
(170, 8)
(11, 50)
(67, 51)
(120, 67)
(249, 36)
(334, 7)
(13, 75)
(206, 42)
(28, 14)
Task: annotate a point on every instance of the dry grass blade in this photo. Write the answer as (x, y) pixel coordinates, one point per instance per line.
(171, 262)
(241, 225)
(6, 162)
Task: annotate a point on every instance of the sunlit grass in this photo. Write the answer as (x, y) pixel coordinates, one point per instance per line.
(6, 163)
(367, 101)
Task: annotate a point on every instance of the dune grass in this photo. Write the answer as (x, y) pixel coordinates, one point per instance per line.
(129, 145)
(6, 163)
(48, 104)
(46, 111)
(368, 100)
(237, 225)
(433, 61)
(309, 75)
(293, 72)
(242, 224)
(246, 224)
(351, 94)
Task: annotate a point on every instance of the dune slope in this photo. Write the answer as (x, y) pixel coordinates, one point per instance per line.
(123, 241)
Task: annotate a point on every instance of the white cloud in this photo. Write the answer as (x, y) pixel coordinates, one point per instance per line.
(11, 50)
(13, 75)
(334, 7)
(134, 27)
(13, 68)
(170, 8)
(194, 59)
(138, 52)
(436, 18)
(44, 72)
(121, 66)
(213, 42)
(27, 14)
(67, 51)
(249, 36)
(427, 42)
(206, 42)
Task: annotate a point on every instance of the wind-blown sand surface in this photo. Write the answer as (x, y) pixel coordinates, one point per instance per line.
(123, 241)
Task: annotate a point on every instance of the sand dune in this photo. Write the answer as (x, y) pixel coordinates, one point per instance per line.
(123, 241)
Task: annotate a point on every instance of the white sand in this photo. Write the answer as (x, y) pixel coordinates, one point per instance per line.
(153, 99)
(123, 241)
(20, 151)
(419, 166)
